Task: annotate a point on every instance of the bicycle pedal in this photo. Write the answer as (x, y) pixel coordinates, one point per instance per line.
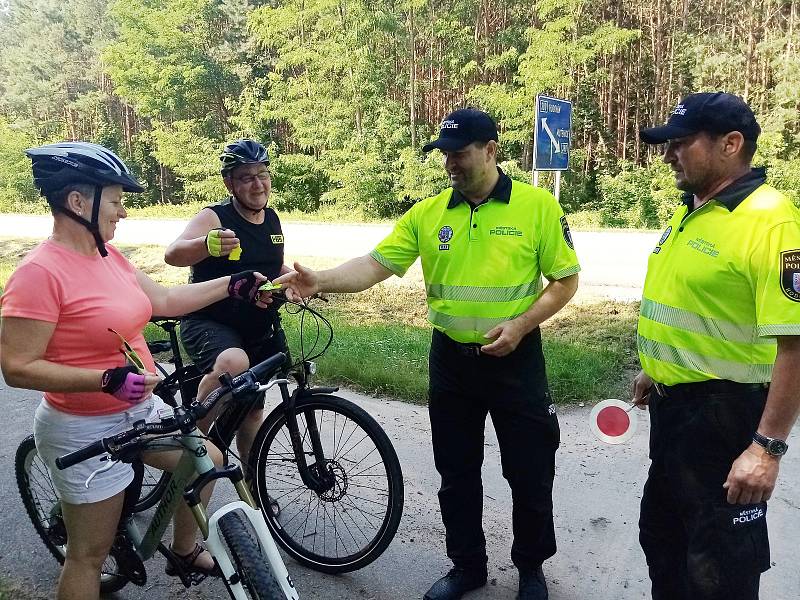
(188, 579)
(176, 568)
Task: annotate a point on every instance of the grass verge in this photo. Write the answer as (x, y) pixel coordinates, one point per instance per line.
(381, 336)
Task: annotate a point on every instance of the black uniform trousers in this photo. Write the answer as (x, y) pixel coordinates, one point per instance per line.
(464, 387)
(699, 547)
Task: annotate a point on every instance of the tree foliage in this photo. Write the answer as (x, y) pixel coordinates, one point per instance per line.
(345, 92)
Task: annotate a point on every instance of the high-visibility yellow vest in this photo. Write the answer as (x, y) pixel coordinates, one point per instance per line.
(722, 282)
(482, 264)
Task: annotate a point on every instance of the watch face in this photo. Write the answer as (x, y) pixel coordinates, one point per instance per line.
(777, 447)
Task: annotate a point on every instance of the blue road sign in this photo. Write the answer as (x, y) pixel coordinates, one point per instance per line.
(552, 134)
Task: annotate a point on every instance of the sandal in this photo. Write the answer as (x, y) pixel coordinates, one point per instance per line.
(187, 563)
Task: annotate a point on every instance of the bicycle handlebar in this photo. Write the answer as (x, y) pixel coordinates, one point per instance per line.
(184, 420)
(85, 453)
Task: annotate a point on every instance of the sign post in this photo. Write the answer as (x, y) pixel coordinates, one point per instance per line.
(552, 138)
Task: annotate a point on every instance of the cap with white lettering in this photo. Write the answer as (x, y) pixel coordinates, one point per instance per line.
(462, 127)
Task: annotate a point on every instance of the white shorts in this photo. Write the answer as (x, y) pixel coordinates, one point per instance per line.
(58, 433)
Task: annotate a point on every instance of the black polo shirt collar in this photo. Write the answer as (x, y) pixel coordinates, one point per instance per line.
(733, 195)
(501, 192)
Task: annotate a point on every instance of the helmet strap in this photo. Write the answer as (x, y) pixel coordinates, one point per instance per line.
(92, 225)
(242, 208)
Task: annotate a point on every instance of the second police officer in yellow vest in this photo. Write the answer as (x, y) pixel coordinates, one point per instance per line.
(719, 343)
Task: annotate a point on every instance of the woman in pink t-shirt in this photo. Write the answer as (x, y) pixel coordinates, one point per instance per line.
(58, 310)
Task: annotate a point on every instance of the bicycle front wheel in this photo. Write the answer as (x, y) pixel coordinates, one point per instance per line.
(44, 509)
(350, 523)
(251, 565)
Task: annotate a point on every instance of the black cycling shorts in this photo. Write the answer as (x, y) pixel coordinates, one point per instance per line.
(205, 339)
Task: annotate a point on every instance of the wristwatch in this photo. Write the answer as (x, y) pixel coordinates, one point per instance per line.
(773, 446)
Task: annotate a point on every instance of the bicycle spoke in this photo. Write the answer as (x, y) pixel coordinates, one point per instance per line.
(348, 520)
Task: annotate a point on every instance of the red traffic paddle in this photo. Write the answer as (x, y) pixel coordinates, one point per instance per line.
(612, 421)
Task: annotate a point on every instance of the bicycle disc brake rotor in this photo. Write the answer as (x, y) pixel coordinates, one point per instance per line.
(336, 480)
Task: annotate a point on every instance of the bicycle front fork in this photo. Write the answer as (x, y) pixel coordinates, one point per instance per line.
(317, 477)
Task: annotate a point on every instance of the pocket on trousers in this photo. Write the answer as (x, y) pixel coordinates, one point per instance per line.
(546, 410)
(741, 534)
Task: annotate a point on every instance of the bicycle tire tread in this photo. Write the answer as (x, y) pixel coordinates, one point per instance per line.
(256, 576)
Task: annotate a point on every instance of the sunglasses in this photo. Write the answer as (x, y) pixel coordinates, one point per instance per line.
(130, 354)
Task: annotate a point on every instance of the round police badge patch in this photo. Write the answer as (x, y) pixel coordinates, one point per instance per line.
(445, 234)
(790, 274)
(566, 232)
(665, 235)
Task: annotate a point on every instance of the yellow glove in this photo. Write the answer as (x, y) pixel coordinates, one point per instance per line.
(213, 242)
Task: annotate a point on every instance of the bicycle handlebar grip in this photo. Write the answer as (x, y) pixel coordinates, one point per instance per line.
(269, 366)
(73, 458)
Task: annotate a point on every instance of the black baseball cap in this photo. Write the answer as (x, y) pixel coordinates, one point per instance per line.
(714, 112)
(462, 127)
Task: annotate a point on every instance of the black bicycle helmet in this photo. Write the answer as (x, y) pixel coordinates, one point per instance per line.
(242, 152)
(56, 166)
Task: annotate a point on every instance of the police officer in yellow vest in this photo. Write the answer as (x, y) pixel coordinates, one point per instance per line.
(484, 243)
(719, 343)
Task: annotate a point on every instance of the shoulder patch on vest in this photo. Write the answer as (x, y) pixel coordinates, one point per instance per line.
(790, 274)
(566, 232)
(665, 235)
(276, 239)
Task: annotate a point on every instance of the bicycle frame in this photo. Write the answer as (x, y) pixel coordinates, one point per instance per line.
(227, 423)
(195, 460)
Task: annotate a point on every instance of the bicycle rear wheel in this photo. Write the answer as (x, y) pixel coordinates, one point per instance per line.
(251, 564)
(349, 525)
(44, 509)
(154, 482)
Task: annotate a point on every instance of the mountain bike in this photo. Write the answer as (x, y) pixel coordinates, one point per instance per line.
(236, 534)
(323, 470)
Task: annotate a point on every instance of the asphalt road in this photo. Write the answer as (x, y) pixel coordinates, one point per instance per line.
(613, 263)
(597, 491)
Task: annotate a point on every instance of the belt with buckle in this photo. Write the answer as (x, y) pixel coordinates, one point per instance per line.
(467, 349)
(462, 348)
(708, 387)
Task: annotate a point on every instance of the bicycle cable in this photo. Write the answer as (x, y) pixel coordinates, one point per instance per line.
(303, 309)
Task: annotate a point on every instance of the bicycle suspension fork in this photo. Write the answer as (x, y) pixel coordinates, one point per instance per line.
(317, 479)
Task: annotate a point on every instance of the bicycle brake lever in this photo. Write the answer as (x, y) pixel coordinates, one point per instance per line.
(274, 382)
(110, 464)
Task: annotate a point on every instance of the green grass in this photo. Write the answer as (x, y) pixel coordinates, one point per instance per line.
(381, 336)
(383, 359)
(381, 346)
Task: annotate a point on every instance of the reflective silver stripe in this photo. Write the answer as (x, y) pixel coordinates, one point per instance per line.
(724, 369)
(689, 321)
(453, 323)
(779, 330)
(565, 272)
(394, 268)
(469, 293)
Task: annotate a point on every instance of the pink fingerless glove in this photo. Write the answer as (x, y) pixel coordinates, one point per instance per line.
(124, 383)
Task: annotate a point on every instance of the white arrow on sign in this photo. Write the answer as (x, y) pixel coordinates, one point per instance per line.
(553, 140)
